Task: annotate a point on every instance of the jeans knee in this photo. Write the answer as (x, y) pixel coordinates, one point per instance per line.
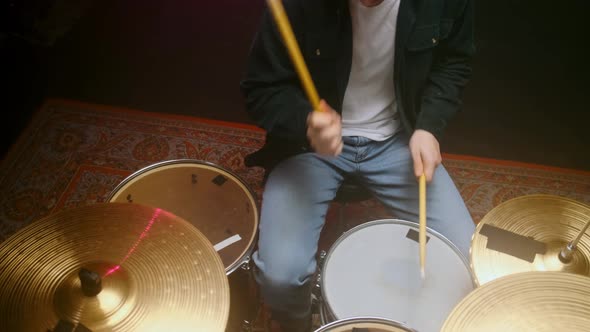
(284, 271)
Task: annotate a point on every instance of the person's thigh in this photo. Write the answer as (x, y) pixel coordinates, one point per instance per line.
(294, 205)
(389, 173)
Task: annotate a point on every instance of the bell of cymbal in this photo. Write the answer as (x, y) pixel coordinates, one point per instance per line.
(536, 301)
(112, 267)
(528, 233)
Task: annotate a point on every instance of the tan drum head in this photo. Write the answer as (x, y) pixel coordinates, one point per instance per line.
(366, 324)
(215, 201)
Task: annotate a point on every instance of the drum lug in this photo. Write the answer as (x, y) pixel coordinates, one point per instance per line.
(322, 258)
(246, 264)
(317, 287)
(318, 279)
(246, 326)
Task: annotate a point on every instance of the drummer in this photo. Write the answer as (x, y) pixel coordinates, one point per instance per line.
(391, 78)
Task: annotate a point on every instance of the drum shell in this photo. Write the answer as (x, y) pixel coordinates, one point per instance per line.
(329, 272)
(216, 201)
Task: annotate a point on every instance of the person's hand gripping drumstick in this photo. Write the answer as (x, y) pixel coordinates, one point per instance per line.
(426, 156)
(324, 130)
(324, 126)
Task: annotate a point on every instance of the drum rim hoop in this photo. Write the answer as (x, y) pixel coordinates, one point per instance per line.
(330, 311)
(365, 319)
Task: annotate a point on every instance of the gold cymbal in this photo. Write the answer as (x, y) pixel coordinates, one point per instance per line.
(112, 267)
(527, 233)
(528, 301)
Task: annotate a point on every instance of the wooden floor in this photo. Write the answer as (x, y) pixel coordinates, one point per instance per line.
(527, 101)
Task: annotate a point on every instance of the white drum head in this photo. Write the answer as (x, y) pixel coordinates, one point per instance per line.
(373, 270)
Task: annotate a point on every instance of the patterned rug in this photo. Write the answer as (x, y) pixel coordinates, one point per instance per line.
(75, 154)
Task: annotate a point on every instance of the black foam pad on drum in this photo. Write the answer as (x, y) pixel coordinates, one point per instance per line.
(516, 245)
(219, 180)
(414, 235)
(356, 329)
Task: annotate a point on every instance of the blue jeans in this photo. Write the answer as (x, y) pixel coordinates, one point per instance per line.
(297, 195)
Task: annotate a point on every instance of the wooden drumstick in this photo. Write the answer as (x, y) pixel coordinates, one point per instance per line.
(422, 235)
(286, 31)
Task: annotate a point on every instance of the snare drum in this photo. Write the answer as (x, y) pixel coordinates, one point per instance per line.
(373, 270)
(370, 324)
(215, 201)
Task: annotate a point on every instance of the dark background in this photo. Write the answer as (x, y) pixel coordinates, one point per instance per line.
(527, 100)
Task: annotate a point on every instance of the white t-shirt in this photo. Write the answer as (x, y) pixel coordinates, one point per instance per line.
(369, 104)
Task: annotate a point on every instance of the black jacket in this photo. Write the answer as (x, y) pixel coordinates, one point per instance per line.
(433, 48)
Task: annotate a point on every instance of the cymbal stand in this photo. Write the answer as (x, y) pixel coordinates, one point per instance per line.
(567, 253)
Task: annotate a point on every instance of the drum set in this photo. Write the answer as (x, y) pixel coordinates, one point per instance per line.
(170, 250)
(528, 270)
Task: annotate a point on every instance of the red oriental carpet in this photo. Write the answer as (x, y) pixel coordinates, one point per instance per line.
(75, 154)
